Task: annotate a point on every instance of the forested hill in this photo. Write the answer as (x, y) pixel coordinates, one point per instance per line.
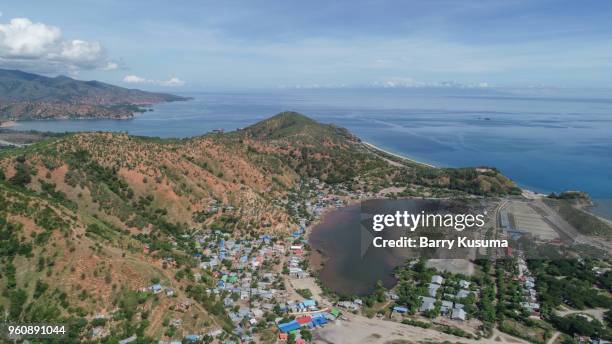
(31, 96)
(335, 155)
(88, 219)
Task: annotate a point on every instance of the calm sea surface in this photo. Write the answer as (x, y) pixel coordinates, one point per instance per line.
(546, 144)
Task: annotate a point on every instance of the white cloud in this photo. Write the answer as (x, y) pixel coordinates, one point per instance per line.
(40, 47)
(77, 50)
(174, 81)
(111, 66)
(135, 79)
(394, 82)
(22, 38)
(407, 82)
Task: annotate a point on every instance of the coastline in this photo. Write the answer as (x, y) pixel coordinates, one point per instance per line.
(527, 193)
(317, 257)
(7, 124)
(374, 147)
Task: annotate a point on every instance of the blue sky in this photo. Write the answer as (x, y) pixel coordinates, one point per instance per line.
(202, 45)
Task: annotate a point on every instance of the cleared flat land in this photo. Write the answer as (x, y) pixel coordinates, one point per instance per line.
(595, 313)
(359, 329)
(530, 218)
(456, 266)
(305, 283)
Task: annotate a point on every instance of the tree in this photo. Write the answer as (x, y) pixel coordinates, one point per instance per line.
(608, 317)
(306, 335)
(17, 299)
(380, 291)
(576, 324)
(22, 175)
(305, 293)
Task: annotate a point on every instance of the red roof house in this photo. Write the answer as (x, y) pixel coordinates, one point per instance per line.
(304, 320)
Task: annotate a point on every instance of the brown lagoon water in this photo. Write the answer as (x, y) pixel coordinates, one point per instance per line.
(350, 265)
(338, 239)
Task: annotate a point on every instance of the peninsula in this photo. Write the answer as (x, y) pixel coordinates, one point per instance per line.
(27, 96)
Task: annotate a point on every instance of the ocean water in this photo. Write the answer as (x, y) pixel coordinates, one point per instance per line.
(547, 144)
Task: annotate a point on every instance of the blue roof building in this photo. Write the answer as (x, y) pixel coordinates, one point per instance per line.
(192, 338)
(309, 303)
(319, 320)
(288, 327)
(156, 288)
(400, 309)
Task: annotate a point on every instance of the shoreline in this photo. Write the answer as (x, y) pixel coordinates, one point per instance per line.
(318, 257)
(7, 124)
(372, 146)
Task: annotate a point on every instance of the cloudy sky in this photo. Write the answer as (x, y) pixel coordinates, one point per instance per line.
(193, 45)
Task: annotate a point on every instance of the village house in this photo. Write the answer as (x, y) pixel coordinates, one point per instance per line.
(427, 304)
(458, 314)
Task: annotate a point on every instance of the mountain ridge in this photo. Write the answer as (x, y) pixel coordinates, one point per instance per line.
(31, 96)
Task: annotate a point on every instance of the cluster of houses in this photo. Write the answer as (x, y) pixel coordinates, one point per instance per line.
(309, 321)
(243, 270)
(301, 306)
(157, 288)
(305, 321)
(530, 296)
(447, 305)
(245, 274)
(354, 305)
(323, 198)
(296, 258)
(250, 288)
(214, 249)
(323, 202)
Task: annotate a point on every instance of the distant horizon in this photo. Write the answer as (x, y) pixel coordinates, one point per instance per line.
(451, 89)
(273, 44)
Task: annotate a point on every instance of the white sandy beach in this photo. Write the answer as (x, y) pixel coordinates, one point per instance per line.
(368, 144)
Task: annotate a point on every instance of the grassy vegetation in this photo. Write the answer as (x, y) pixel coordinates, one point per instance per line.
(305, 293)
(529, 333)
(570, 282)
(584, 222)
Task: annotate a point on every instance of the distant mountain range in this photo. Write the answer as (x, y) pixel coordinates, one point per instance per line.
(31, 96)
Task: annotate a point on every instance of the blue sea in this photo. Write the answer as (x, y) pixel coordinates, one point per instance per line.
(545, 143)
